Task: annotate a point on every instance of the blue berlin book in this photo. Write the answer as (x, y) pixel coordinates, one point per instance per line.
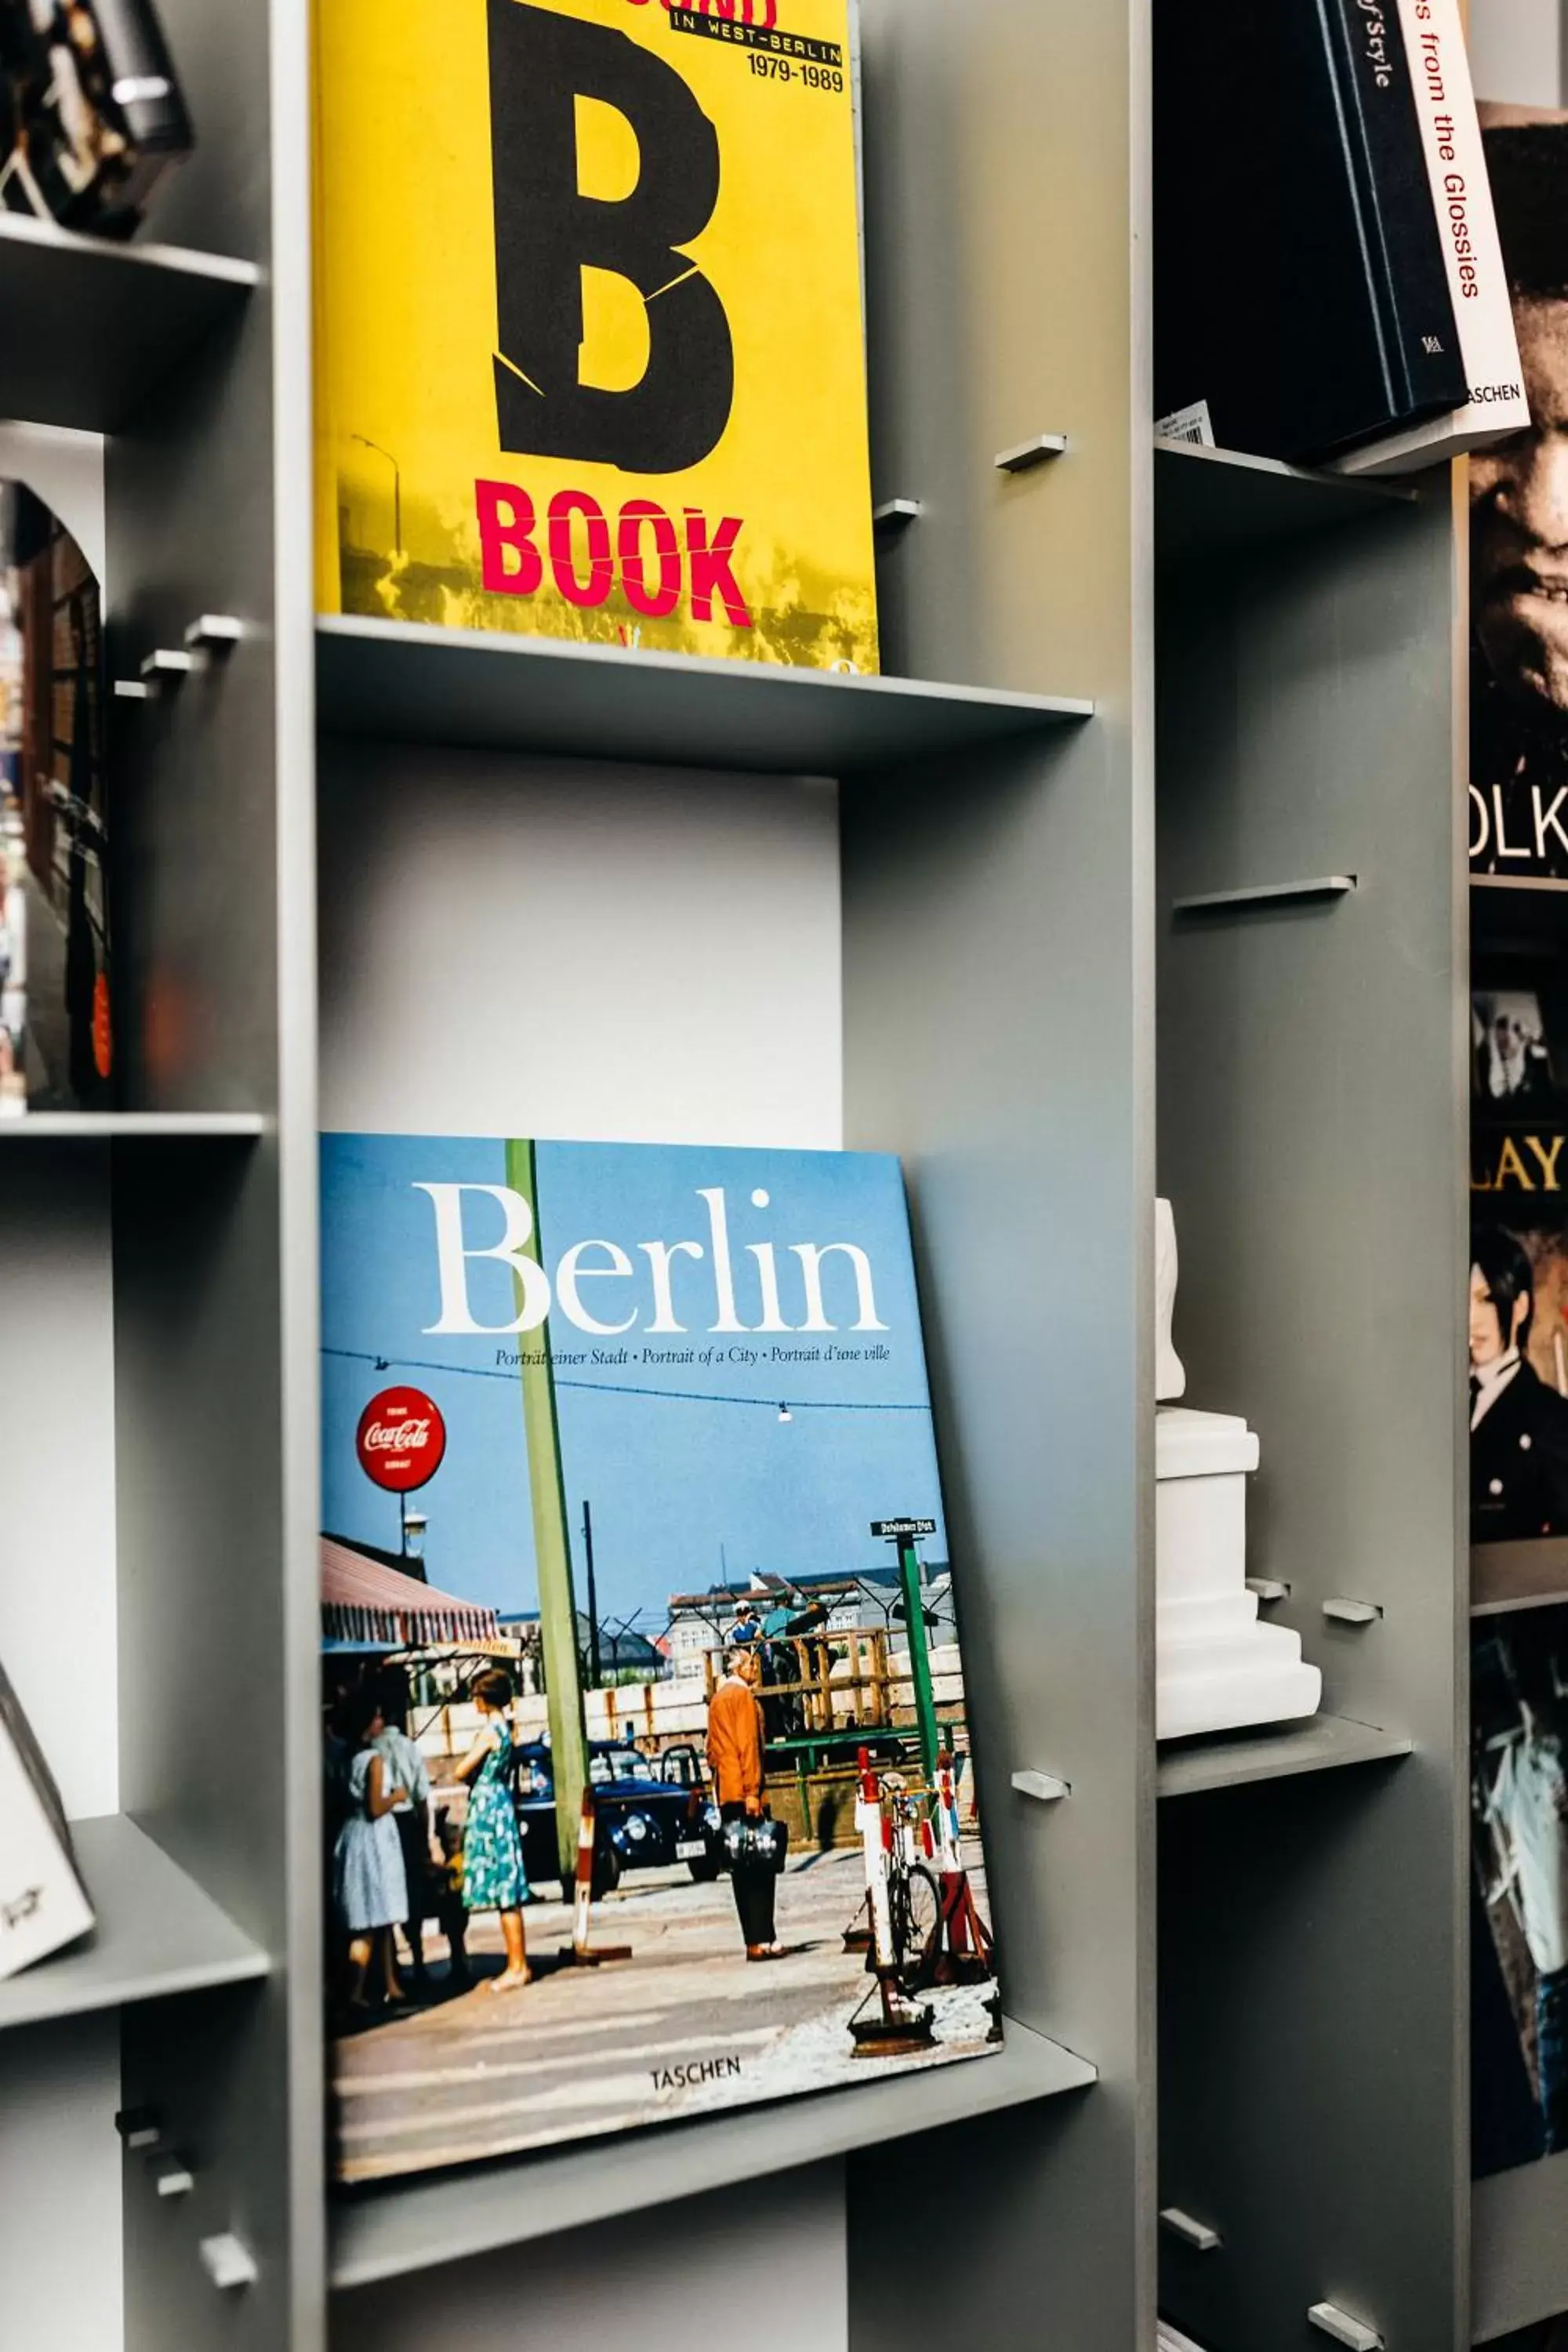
(647, 1755)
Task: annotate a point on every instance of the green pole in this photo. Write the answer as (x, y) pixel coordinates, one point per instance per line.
(557, 1606)
(920, 1657)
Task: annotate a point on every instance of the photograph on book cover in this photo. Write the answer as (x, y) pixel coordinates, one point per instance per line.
(1519, 1972)
(56, 1040)
(590, 344)
(1519, 526)
(649, 1765)
(1519, 1041)
(1519, 1358)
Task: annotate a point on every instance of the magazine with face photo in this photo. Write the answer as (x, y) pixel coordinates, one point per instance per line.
(649, 1757)
(1519, 1379)
(1519, 585)
(1519, 1037)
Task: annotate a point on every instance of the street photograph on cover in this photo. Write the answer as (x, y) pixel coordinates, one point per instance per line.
(1519, 1698)
(648, 1759)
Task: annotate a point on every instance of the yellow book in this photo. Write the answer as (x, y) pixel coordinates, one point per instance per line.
(590, 353)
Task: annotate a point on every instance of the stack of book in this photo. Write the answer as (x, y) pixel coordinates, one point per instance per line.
(1329, 283)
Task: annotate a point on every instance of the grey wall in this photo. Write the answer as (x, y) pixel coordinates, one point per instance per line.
(762, 2267)
(1517, 50)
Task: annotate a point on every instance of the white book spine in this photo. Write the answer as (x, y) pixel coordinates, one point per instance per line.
(1478, 282)
(42, 1905)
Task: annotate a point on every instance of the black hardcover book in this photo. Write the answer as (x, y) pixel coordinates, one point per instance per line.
(1404, 251)
(1300, 281)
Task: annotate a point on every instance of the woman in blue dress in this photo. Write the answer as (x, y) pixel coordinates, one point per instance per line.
(368, 1880)
(493, 1875)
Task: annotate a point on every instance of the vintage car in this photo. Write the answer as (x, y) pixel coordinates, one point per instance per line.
(643, 1821)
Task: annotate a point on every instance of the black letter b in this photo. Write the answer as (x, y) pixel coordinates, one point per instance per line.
(547, 234)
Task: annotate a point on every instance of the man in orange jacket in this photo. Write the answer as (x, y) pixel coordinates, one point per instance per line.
(735, 1753)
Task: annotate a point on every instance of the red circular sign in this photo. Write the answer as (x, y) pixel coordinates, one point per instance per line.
(401, 1440)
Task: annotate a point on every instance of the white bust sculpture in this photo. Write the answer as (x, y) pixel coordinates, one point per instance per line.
(1170, 1379)
(1219, 1668)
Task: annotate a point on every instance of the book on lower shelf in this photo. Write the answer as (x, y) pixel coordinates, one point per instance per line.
(590, 343)
(57, 1028)
(43, 1904)
(649, 1758)
(1519, 1958)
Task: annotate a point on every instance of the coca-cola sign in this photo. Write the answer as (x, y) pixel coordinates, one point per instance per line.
(401, 1440)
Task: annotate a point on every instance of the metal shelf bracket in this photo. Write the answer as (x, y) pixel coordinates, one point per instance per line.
(1353, 1612)
(216, 633)
(169, 662)
(1267, 894)
(893, 514)
(228, 2261)
(1043, 1786)
(1331, 2321)
(1268, 1587)
(1029, 453)
(1193, 2234)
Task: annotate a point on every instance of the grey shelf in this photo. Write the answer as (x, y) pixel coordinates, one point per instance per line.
(1506, 1576)
(119, 317)
(394, 2231)
(1212, 503)
(1322, 1743)
(1510, 910)
(129, 1126)
(1519, 2248)
(157, 1933)
(403, 682)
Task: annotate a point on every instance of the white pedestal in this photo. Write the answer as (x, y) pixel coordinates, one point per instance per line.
(1217, 1667)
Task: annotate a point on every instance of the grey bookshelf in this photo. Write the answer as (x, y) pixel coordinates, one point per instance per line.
(156, 1935)
(1217, 504)
(1129, 681)
(394, 2232)
(120, 319)
(1323, 1743)
(400, 681)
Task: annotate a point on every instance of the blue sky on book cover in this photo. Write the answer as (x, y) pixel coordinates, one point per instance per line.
(675, 1436)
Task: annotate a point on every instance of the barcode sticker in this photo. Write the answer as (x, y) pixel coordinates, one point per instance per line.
(1192, 424)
